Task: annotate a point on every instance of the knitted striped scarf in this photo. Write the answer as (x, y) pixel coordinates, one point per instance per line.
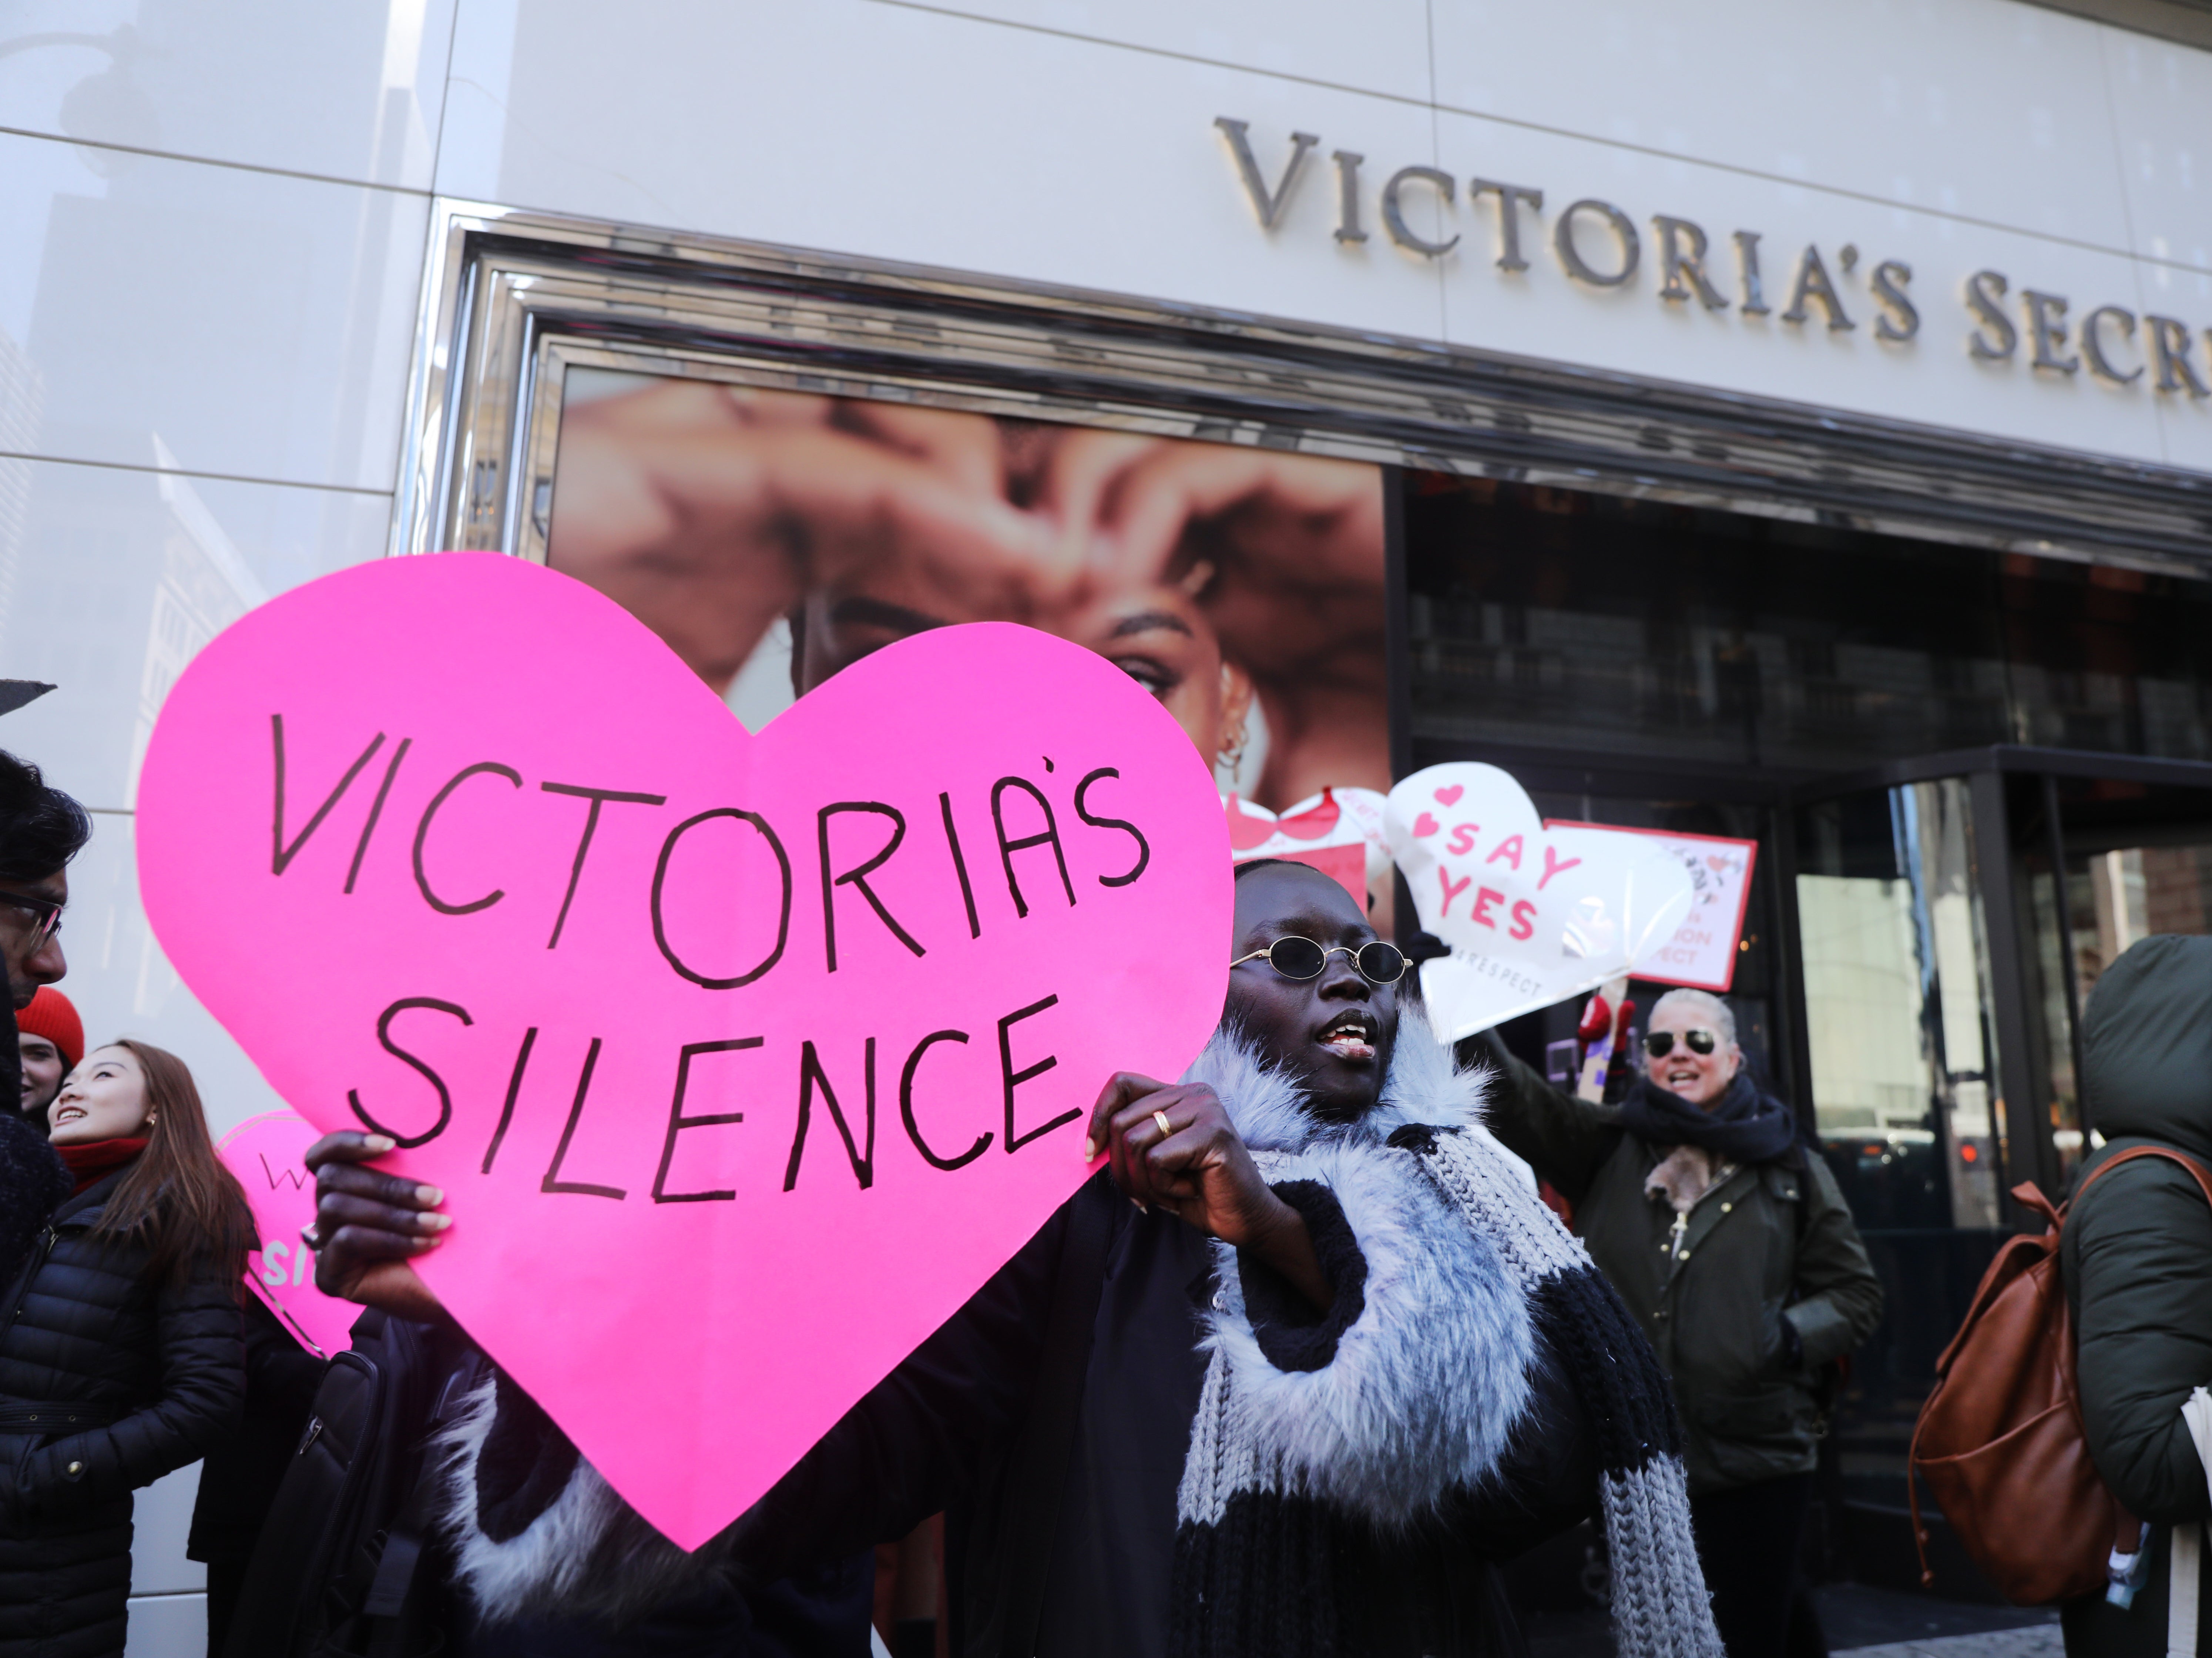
(1463, 1273)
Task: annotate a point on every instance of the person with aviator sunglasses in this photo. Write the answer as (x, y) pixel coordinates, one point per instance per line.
(1285, 1379)
(1740, 1260)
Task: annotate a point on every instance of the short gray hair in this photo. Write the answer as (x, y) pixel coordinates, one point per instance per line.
(1706, 1003)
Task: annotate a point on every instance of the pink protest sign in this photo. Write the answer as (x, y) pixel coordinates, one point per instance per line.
(1703, 951)
(268, 1154)
(743, 1061)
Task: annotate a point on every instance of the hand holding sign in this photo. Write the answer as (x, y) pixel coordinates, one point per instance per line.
(1533, 915)
(743, 1061)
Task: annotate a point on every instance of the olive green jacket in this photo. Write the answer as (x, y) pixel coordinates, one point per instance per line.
(2136, 1255)
(1765, 1245)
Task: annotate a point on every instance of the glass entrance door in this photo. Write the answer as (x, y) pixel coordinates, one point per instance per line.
(1907, 1083)
(1944, 972)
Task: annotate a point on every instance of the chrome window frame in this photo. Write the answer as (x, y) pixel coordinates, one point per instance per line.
(512, 299)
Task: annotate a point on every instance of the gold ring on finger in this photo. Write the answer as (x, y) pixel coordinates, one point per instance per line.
(1167, 1128)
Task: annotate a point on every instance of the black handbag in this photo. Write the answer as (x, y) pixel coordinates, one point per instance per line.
(340, 1568)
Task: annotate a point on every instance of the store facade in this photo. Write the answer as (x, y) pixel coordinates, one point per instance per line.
(1657, 606)
(1797, 430)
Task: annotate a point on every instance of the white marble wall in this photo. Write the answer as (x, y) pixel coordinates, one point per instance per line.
(213, 213)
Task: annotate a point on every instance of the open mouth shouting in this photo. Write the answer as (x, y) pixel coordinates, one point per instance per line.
(1351, 1036)
(1676, 1078)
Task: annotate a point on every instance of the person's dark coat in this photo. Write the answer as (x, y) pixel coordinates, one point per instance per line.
(2136, 1253)
(940, 1432)
(240, 1477)
(1770, 1243)
(107, 1382)
(33, 1183)
(243, 1470)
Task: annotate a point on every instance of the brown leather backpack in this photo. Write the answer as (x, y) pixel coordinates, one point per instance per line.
(1999, 1441)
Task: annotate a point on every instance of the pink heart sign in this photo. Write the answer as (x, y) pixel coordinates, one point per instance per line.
(742, 1061)
(267, 1155)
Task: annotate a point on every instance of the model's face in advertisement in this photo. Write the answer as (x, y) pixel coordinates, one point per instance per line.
(1158, 636)
(1140, 613)
(1241, 587)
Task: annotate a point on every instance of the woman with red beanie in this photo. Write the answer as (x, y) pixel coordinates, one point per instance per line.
(51, 1038)
(122, 1358)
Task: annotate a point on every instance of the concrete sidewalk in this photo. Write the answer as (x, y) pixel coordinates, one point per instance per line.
(1859, 1622)
(2038, 1641)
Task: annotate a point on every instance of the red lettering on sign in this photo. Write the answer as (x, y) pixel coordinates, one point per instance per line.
(1482, 901)
(1509, 847)
(1524, 920)
(1451, 891)
(1554, 865)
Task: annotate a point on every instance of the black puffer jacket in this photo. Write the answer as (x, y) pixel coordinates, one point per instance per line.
(33, 1183)
(2137, 1256)
(106, 1383)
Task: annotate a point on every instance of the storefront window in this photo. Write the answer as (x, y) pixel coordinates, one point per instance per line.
(1547, 618)
(1897, 985)
(2108, 659)
(1554, 619)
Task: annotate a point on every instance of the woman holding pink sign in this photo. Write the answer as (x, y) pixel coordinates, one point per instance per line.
(121, 1359)
(1289, 1379)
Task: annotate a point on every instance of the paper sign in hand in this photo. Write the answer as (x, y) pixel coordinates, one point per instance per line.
(1533, 915)
(743, 1061)
(269, 1155)
(1703, 952)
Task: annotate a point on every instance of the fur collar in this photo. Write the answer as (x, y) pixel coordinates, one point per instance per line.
(589, 1552)
(1428, 1384)
(1426, 1086)
(1685, 1175)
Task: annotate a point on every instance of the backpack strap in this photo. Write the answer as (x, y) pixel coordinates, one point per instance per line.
(1046, 1442)
(384, 1606)
(2197, 1170)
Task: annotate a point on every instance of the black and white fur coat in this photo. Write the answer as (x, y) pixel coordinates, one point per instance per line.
(1406, 1398)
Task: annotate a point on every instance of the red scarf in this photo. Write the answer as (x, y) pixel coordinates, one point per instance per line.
(98, 1158)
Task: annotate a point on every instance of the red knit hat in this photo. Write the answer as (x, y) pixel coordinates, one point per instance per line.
(51, 1015)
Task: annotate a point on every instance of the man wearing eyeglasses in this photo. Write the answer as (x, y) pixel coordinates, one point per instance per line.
(41, 829)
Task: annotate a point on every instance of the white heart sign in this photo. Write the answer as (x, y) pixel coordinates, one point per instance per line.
(1532, 915)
